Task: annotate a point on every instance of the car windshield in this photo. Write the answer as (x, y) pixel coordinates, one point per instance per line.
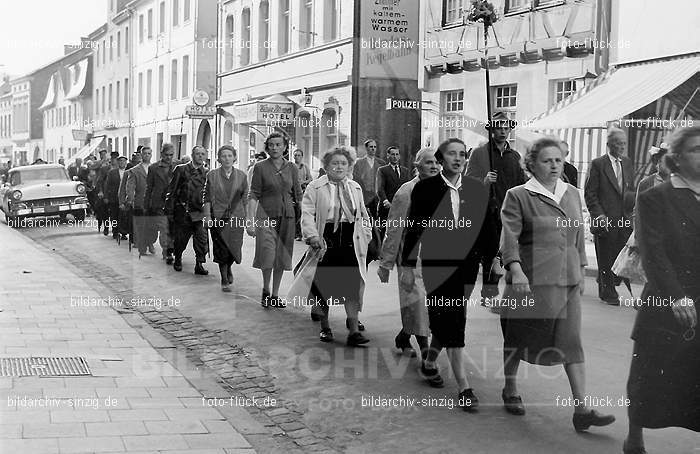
(39, 174)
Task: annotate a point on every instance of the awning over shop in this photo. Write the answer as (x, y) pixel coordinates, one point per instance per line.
(619, 92)
(78, 74)
(86, 151)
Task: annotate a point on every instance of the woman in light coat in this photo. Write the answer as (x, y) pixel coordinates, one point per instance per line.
(543, 249)
(335, 222)
(414, 313)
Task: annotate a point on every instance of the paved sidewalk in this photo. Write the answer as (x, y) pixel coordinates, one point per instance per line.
(135, 401)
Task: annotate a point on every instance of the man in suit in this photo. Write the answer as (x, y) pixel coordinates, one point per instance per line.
(184, 203)
(111, 191)
(135, 193)
(74, 168)
(499, 173)
(365, 173)
(609, 194)
(444, 219)
(570, 172)
(157, 182)
(389, 179)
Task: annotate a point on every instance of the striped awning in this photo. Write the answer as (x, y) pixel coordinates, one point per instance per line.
(617, 93)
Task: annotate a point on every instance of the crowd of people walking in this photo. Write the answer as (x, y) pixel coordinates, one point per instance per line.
(437, 224)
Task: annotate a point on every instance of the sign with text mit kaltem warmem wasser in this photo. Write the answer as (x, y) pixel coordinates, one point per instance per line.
(389, 39)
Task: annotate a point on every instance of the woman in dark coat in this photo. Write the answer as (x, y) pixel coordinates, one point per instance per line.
(543, 250)
(664, 381)
(225, 199)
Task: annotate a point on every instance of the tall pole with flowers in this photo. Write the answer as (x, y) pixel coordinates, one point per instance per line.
(484, 12)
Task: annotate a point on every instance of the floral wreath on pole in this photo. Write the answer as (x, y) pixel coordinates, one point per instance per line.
(482, 11)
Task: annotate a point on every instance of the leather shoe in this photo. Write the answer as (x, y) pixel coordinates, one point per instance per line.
(360, 326)
(468, 401)
(513, 404)
(200, 270)
(326, 335)
(356, 339)
(169, 260)
(265, 299)
(582, 421)
(177, 265)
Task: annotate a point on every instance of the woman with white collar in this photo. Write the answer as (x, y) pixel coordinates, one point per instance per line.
(335, 221)
(542, 243)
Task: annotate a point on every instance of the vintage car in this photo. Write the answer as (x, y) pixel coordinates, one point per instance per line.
(41, 190)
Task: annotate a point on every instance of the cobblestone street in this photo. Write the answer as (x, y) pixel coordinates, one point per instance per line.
(266, 373)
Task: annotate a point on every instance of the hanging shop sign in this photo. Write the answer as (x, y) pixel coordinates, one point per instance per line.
(200, 111)
(264, 112)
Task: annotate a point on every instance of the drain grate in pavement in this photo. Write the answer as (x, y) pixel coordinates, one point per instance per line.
(43, 366)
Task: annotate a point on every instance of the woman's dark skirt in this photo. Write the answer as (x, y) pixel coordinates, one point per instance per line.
(448, 289)
(549, 331)
(664, 384)
(337, 277)
(227, 242)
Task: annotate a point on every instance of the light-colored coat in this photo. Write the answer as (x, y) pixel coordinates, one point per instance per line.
(414, 313)
(545, 237)
(136, 186)
(315, 206)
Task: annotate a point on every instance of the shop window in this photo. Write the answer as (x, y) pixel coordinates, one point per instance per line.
(283, 30)
(263, 30)
(149, 86)
(330, 20)
(173, 79)
(454, 10)
(161, 83)
(185, 76)
(186, 7)
(176, 12)
(229, 45)
(561, 89)
(329, 129)
(245, 37)
(306, 24)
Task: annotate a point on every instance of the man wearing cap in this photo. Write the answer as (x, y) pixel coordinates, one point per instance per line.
(184, 203)
(157, 181)
(609, 194)
(111, 193)
(501, 173)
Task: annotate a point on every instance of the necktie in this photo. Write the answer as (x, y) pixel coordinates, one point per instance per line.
(618, 173)
(396, 169)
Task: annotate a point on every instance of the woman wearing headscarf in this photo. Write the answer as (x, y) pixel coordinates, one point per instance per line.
(335, 222)
(544, 252)
(225, 200)
(274, 189)
(664, 380)
(414, 314)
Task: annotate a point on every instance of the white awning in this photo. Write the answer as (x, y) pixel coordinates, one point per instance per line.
(86, 151)
(50, 94)
(77, 80)
(618, 92)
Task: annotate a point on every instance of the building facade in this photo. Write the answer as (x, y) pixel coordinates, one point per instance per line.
(293, 66)
(172, 61)
(66, 105)
(111, 57)
(539, 53)
(5, 121)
